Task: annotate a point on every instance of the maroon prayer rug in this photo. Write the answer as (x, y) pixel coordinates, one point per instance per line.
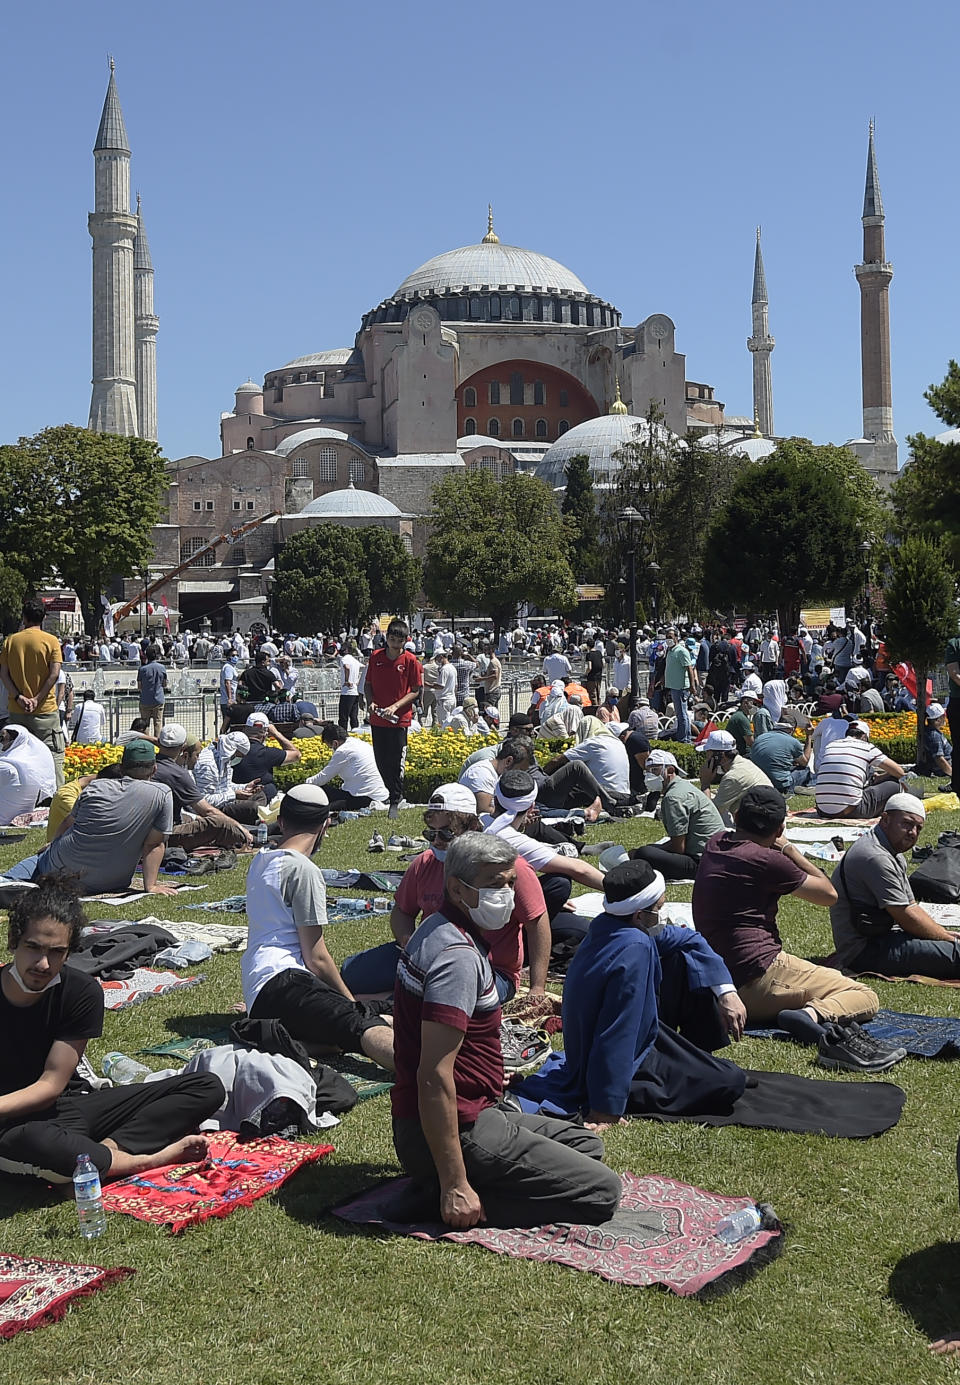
(663, 1233)
(34, 1293)
(233, 1175)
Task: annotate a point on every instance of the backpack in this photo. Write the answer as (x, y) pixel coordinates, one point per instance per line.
(937, 881)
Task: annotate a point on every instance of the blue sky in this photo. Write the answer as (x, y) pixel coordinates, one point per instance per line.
(296, 163)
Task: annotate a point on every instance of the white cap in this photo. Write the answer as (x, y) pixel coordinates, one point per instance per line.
(864, 728)
(172, 735)
(935, 711)
(258, 719)
(657, 759)
(905, 803)
(453, 798)
(718, 740)
(234, 743)
(749, 693)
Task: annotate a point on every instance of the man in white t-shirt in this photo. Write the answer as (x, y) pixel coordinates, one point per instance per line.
(604, 755)
(855, 778)
(287, 972)
(228, 691)
(482, 774)
(89, 721)
(446, 703)
(555, 666)
(353, 763)
(348, 714)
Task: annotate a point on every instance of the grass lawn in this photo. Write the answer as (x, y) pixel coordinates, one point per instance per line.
(282, 1292)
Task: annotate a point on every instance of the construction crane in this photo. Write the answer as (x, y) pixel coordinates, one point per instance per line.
(229, 536)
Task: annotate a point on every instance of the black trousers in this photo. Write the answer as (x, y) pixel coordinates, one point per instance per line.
(573, 785)
(953, 721)
(314, 1012)
(339, 798)
(670, 865)
(139, 1119)
(390, 751)
(347, 710)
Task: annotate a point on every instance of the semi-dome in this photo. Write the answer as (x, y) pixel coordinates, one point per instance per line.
(352, 503)
(305, 435)
(599, 438)
(340, 355)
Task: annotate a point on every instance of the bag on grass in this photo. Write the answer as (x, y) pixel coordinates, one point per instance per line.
(937, 881)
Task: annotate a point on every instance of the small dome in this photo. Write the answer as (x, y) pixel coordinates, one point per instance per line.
(599, 438)
(951, 435)
(351, 503)
(755, 449)
(249, 387)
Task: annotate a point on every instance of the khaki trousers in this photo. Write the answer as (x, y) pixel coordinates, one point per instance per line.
(790, 983)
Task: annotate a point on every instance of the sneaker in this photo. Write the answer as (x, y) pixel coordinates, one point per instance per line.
(199, 865)
(375, 843)
(407, 843)
(881, 1046)
(842, 1047)
(225, 861)
(596, 848)
(522, 1048)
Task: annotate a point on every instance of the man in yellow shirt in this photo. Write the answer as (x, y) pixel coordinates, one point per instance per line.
(29, 666)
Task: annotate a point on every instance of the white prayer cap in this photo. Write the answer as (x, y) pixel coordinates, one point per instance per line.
(905, 803)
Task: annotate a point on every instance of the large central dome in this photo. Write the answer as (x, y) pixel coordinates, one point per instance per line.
(491, 266)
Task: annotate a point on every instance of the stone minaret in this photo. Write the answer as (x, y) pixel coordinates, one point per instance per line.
(874, 276)
(145, 333)
(760, 344)
(113, 405)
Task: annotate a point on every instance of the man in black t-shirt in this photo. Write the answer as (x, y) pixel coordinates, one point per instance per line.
(261, 760)
(204, 824)
(48, 1011)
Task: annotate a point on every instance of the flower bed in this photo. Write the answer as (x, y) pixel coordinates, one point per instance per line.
(88, 759)
(894, 733)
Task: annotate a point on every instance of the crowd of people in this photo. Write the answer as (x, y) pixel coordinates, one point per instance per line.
(646, 1005)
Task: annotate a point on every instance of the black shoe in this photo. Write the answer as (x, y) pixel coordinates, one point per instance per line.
(843, 1048)
(882, 1048)
(225, 861)
(199, 865)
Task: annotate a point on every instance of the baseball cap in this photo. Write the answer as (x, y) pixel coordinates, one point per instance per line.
(258, 719)
(762, 809)
(469, 702)
(935, 711)
(660, 758)
(139, 753)
(453, 798)
(719, 741)
(172, 735)
(862, 726)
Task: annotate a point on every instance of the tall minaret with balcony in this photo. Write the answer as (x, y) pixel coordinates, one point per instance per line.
(760, 344)
(145, 325)
(113, 228)
(874, 276)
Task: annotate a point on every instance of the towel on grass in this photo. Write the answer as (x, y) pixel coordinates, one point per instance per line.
(663, 1232)
(233, 904)
(144, 983)
(35, 1293)
(233, 1175)
(923, 1036)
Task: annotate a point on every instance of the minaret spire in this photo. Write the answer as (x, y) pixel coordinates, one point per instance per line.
(874, 275)
(760, 344)
(113, 404)
(146, 324)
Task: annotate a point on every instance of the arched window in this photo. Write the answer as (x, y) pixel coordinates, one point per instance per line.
(539, 393)
(493, 427)
(469, 398)
(518, 427)
(358, 472)
(301, 468)
(511, 308)
(541, 427)
(494, 305)
(476, 307)
(562, 427)
(547, 309)
(469, 427)
(250, 444)
(327, 457)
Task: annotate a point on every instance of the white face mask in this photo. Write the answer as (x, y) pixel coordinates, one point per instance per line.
(652, 782)
(234, 760)
(493, 908)
(30, 990)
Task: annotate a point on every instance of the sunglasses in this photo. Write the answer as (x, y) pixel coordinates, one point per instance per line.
(432, 834)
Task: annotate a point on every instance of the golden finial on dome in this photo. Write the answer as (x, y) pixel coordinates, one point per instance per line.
(491, 238)
(618, 406)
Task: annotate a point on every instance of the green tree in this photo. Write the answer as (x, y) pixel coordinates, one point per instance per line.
(921, 614)
(926, 495)
(496, 544)
(393, 577)
(321, 580)
(580, 503)
(13, 589)
(789, 533)
(80, 506)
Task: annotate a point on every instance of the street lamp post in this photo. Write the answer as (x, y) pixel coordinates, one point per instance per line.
(865, 555)
(629, 522)
(653, 572)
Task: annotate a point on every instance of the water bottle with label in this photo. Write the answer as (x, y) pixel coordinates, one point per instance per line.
(737, 1226)
(123, 1071)
(89, 1198)
(261, 834)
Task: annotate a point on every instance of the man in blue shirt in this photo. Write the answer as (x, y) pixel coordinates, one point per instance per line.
(784, 760)
(152, 684)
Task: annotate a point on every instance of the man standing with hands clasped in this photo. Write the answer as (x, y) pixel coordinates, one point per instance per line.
(394, 680)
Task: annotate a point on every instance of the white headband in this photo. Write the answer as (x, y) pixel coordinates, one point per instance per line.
(623, 908)
(513, 806)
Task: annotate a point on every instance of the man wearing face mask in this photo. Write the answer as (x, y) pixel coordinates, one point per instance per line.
(48, 1013)
(213, 771)
(620, 1058)
(472, 1157)
(287, 972)
(451, 813)
(689, 819)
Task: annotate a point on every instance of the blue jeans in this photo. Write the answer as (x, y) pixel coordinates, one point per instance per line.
(23, 870)
(368, 973)
(679, 696)
(800, 776)
(898, 954)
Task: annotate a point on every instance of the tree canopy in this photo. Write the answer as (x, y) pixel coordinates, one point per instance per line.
(921, 608)
(330, 576)
(789, 533)
(496, 544)
(926, 495)
(79, 505)
(580, 503)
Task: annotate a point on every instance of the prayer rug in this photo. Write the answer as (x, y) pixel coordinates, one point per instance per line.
(811, 815)
(923, 1036)
(144, 983)
(542, 1011)
(233, 1175)
(233, 904)
(367, 1078)
(185, 1049)
(833, 961)
(663, 1233)
(35, 1293)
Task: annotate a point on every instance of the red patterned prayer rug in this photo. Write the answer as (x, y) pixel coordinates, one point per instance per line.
(663, 1233)
(144, 983)
(233, 1175)
(34, 1293)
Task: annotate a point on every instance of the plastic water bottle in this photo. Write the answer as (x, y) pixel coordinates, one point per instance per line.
(261, 834)
(89, 1198)
(736, 1226)
(123, 1070)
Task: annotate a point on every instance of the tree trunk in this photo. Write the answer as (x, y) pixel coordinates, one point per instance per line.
(921, 674)
(89, 598)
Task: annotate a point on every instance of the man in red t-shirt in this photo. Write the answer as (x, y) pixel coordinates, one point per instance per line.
(453, 811)
(393, 682)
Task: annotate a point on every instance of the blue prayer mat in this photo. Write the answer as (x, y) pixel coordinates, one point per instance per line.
(923, 1036)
